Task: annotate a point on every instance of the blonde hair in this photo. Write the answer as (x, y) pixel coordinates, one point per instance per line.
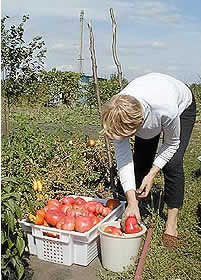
(121, 116)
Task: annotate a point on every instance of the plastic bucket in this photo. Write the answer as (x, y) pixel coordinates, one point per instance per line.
(119, 251)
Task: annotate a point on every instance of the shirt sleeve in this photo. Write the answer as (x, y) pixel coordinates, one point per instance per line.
(171, 141)
(124, 158)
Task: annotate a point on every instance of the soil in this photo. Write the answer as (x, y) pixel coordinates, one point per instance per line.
(50, 271)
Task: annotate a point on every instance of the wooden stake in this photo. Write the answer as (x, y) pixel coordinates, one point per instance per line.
(114, 47)
(95, 77)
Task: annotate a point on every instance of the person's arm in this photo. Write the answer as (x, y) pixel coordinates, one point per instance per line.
(124, 158)
(125, 166)
(170, 145)
(171, 141)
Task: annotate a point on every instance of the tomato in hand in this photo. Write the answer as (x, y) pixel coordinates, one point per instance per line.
(131, 225)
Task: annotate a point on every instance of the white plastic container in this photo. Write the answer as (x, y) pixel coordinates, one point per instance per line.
(119, 251)
(69, 247)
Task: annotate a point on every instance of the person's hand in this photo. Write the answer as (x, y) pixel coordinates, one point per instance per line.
(145, 187)
(131, 210)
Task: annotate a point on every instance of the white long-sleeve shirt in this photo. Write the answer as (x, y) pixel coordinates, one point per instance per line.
(163, 99)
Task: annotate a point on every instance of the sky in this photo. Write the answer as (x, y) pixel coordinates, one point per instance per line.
(152, 35)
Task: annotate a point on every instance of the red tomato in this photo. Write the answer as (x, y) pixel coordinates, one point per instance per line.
(112, 203)
(131, 225)
(83, 223)
(106, 211)
(69, 223)
(91, 206)
(66, 223)
(95, 219)
(52, 217)
(80, 210)
(71, 212)
(64, 208)
(79, 201)
(99, 208)
(68, 200)
(113, 230)
(53, 202)
(45, 208)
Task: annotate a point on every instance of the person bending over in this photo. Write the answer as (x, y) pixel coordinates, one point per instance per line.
(148, 106)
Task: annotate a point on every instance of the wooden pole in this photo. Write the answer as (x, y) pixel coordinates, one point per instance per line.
(81, 41)
(95, 77)
(114, 47)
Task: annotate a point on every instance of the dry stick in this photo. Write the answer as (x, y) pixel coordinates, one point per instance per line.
(114, 47)
(118, 65)
(138, 273)
(94, 70)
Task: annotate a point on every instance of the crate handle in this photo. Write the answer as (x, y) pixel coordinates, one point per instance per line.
(50, 235)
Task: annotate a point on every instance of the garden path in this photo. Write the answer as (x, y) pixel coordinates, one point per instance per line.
(50, 271)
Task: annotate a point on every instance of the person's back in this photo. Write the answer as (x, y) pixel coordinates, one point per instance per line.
(161, 92)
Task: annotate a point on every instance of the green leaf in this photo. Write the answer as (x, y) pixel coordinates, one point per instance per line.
(13, 261)
(10, 243)
(10, 220)
(6, 196)
(19, 212)
(20, 244)
(3, 237)
(20, 270)
(10, 204)
(10, 180)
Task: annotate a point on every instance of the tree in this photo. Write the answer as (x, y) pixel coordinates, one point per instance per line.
(108, 88)
(21, 62)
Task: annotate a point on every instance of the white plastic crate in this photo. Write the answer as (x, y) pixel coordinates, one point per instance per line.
(70, 247)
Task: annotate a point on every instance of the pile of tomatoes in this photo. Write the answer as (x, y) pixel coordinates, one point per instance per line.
(73, 214)
(131, 226)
